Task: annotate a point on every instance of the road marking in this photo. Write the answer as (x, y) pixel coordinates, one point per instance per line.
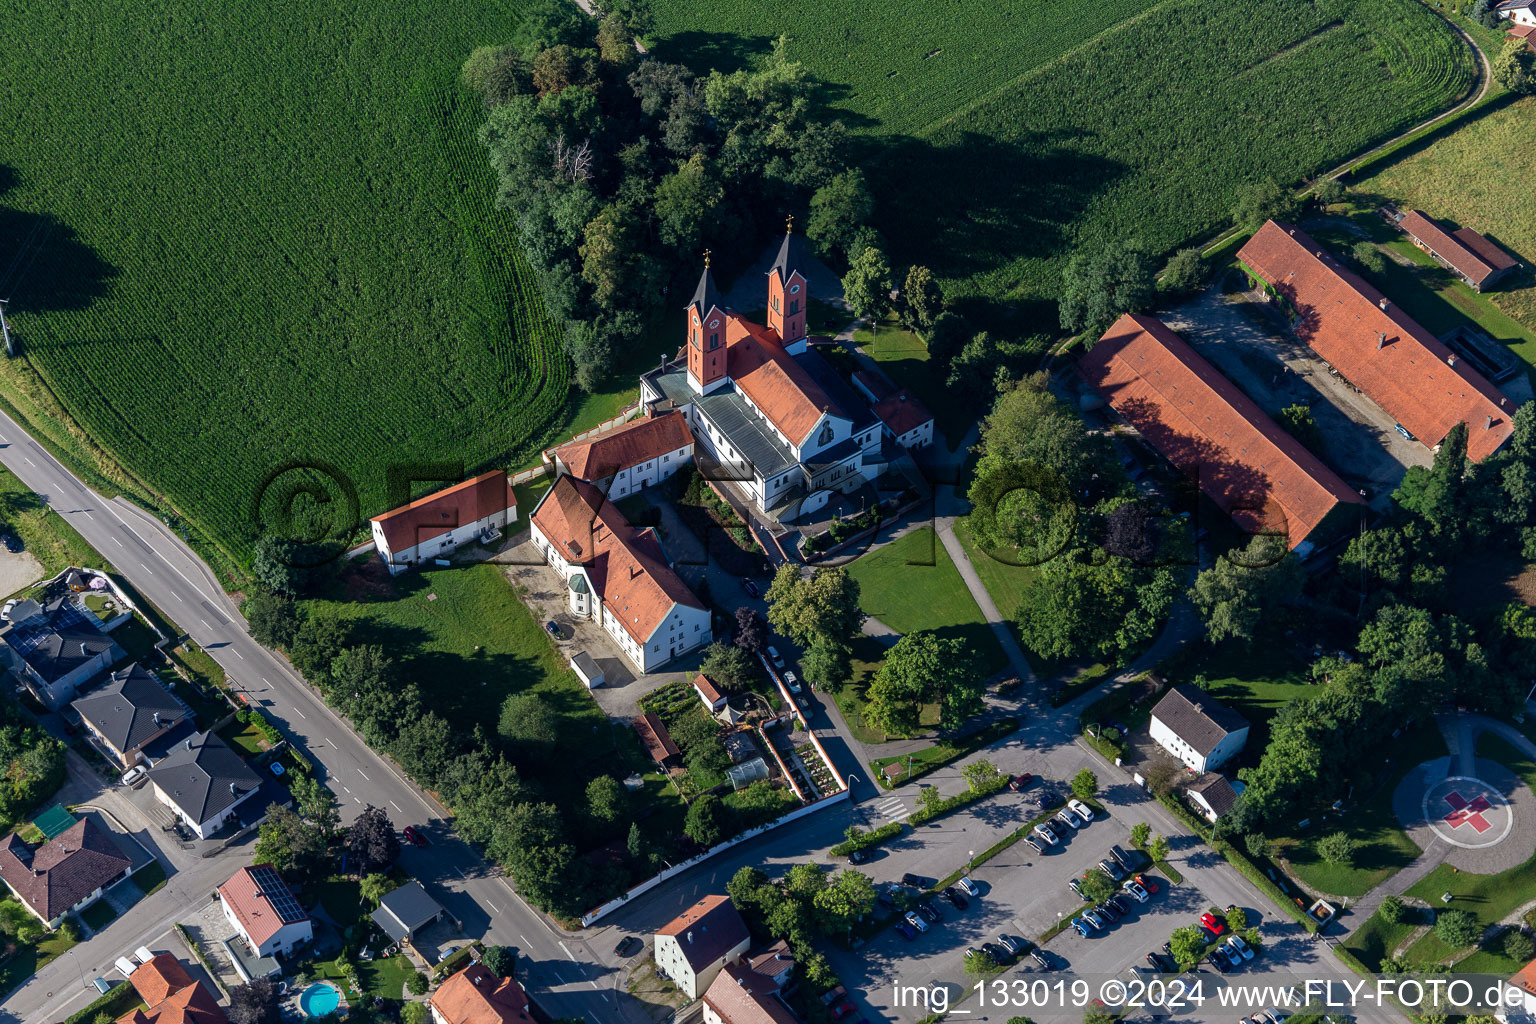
(28, 462)
(398, 808)
(523, 937)
(461, 874)
(494, 908)
(304, 716)
(365, 778)
(594, 985)
(146, 568)
(349, 792)
(557, 977)
(88, 514)
(266, 680)
(567, 949)
(238, 654)
(117, 542)
(204, 622)
(604, 995)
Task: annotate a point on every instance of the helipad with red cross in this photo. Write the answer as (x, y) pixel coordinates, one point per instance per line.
(1467, 812)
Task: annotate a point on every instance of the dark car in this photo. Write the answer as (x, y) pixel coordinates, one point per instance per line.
(1218, 959)
(930, 911)
(749, 587)
(832, 995)
(1076, 887)
(858, 856)
(552, 629)
(1110, 912)
(907, 931)
(915, 881)
(1111, 869)
(884, 900)
(1158, 962)
(998, 954)
(956, 900)
(627, 946)
(1039, 958)
(1119, 903)
(413, 837)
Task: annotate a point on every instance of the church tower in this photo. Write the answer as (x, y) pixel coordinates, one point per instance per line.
(787, 291)
(706, 335)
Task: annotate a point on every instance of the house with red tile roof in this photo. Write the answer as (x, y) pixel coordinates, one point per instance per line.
(1466, 253)
(768, 411)
(711, 697)
(617, 575)
(906, 420)
(629, 458)
(476, 996)
(1205, 426)
(1396, 363)
(171, 996)
(439, 524)
(264, 911)
(67, 873)
(738, 995)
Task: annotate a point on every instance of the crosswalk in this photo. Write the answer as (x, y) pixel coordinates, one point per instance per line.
(893, 808)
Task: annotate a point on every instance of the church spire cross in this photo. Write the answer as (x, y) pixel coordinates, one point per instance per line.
(706, 258)
(789, 224)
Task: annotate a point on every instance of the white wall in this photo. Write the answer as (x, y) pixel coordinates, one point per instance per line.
(440, 546)
(1169, 740)
(632, 479)
(918, 438)
(204, 829)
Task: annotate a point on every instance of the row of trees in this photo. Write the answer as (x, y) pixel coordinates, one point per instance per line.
(302, 840)
(32, 763)
(806, 902)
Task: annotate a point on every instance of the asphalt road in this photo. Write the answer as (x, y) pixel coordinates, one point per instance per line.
(561, 968)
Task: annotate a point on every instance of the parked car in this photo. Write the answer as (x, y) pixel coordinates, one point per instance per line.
(1158, 962)
(413, 837)
(775, 657)
(953, 895)
(1146, 883)
(907, 931)
(1111, 869)
(930, 911)
(628, 946)
(1404, 431)
(858, 856)
(1121, 904)
(1018, 782)
(552, 629)
(843, 1009)
(883, 899)
(800, 702)
(1066, 817)
(969, 886)
(749, 587)
(1039, 958)
(1081, 809)
(915, 881)
(1082, 927)
(1125, 860)
(1011, 944)
(972, 951)
(1209, 922)
(1096, 919)
(135, 775)
(915, 921)
(1104, 910)
(1218, 960)
(792, 681)
(1033, 845)
(1138, 893)
(1241, 948)
(1275, 1016)
(832, 995)
(998, 954)
(1076, 887)
(1047, 835)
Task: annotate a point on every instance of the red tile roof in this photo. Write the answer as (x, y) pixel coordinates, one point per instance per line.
(772, 380)
(1198, 420)
(657, 740)
(1486, 251)
(902, 413)
(261, 902)
(476, 996)
(1521, 31)
(158, 978)
(436, 514)
(627, 566)
(1451, 248)
(632, 444)
(706, 689)
(1386, 354)
(739, 995)
(1525, 978)
(171, 996)
(64, 870)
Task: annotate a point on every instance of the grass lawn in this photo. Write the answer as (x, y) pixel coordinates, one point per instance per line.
(1004, 581)
(904, 358)
(208, 710)
(1376, 939)
(150, 878)
(1384, 848)
(379, 977)
(98, 915)
(28, 960)
(51, 540)
(244, 737)
(911, 584)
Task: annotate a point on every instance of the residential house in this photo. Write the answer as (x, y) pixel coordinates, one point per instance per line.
(476, 996)
(1195, 729)
(53, 648)
(712, 698)
(775, 962)
(1213, 794)
(617, 575)
(203, 781)
(658, 741)
(1377, 347)
(133, 708)
(405, 911)
(67, 873)
(739, 995)
(1468, 254)
(1521, 12)
(630, 458)
(1206, 427)
(1517, 1001)
(906, 420)
(264, 911)
(439, 524)
(170, 995)
(691, 949)
(774, 419)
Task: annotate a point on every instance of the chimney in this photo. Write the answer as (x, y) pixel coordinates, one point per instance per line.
(690, 936)
(1385, 305)
(1488, 423)
(234, 790)
(189, 743)
(157, 717)
(1381, 340)
(1450, 360)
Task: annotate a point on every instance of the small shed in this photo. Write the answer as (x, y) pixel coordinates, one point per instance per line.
(712, 698)
(587, 670)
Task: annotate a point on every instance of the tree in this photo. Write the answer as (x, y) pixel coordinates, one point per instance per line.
(1187, 946)
(1457, 928)
(1368, 257)
(1518, 945)
(1140, 833)
(1028, 423)
(867, 285)
(751, 631)
(255, 1002)
(979, 961)
(1435, 494)
(1263, 201)
(1185, 273)
(728, 666)
(979, 774)
(1021, 507)
(530, 726)
(686, 203)
(838, 209)
(1235, 594)
(276, 563)
(1259, 846)
(289, 843)
(827, 662)
(745, 888)
(918, 668)
(1085, 785)
(1100, 283)
(500, 960)
(1393, 910)
(1236, 919)
(708, 820)
(1337, 847)
(826, 604)
(375, 887)
(635, 845)
(1097, 886)
(413, 1013)
(319, 641)
(315, 803)
(922, 298)
(417, 984)
(1298, 422)
(946, 337)
(1328, 192)
(273, 619)
(974, 368)
(607, 801)
(1515, 67)
(372, 841)
(847, 898)
(1158, 850)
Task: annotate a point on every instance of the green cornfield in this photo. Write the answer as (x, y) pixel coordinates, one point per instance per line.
(1001, 135)
(244, 238)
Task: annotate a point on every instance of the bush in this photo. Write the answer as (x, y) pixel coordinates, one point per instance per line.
(416, 984)
(859, 840)
(1457, 928)
(1392, 910)
(1519, 946)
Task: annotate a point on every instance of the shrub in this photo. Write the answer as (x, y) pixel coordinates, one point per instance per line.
(1457, 928)
(1393, 910)
(1519, 946)
(416, 983)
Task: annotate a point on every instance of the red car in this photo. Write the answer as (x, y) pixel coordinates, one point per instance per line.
(1211, 924)
(1018, 782)
(417, 839)
(843, 1009)
(1146, 883)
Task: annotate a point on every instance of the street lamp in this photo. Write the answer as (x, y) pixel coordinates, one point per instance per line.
(970, 859)
(83, 982)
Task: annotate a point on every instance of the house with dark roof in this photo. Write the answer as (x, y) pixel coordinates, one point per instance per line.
(53, 648)
(405, 911)
(476, 996)
(1198, 420)
(1195, 729)
(170, 995)
(691, 949)
(769, 412)
(132, 709)
(204, 782)
(1467, 254)
(1520, 12)
(629, 458)
(617, 575)
(1395, 362)
(1213, 794)
(67, 873)
(658, 741)
(906, 420)
(439, 524)
(264, 911)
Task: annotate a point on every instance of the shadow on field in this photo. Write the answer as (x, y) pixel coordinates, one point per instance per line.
(44, 267)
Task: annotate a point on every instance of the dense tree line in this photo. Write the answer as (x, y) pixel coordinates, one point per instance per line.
(32, 762)
(620, 168)
(806, 902)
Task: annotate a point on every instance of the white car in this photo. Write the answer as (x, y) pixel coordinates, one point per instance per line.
(969, 886)
(792, 681)
(916, 921)
(1081, 809)
(1240, 948)
(775, 657)
(1137, 891)
(135, 775)
(1069, 818)
(1047, 835)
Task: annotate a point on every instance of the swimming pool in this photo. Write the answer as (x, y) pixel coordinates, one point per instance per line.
(320, 999)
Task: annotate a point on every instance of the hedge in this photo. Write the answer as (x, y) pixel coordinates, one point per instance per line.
(121, 1000)
(864, 840)
(951, 803)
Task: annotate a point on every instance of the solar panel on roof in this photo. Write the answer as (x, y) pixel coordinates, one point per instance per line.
(277, 894)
